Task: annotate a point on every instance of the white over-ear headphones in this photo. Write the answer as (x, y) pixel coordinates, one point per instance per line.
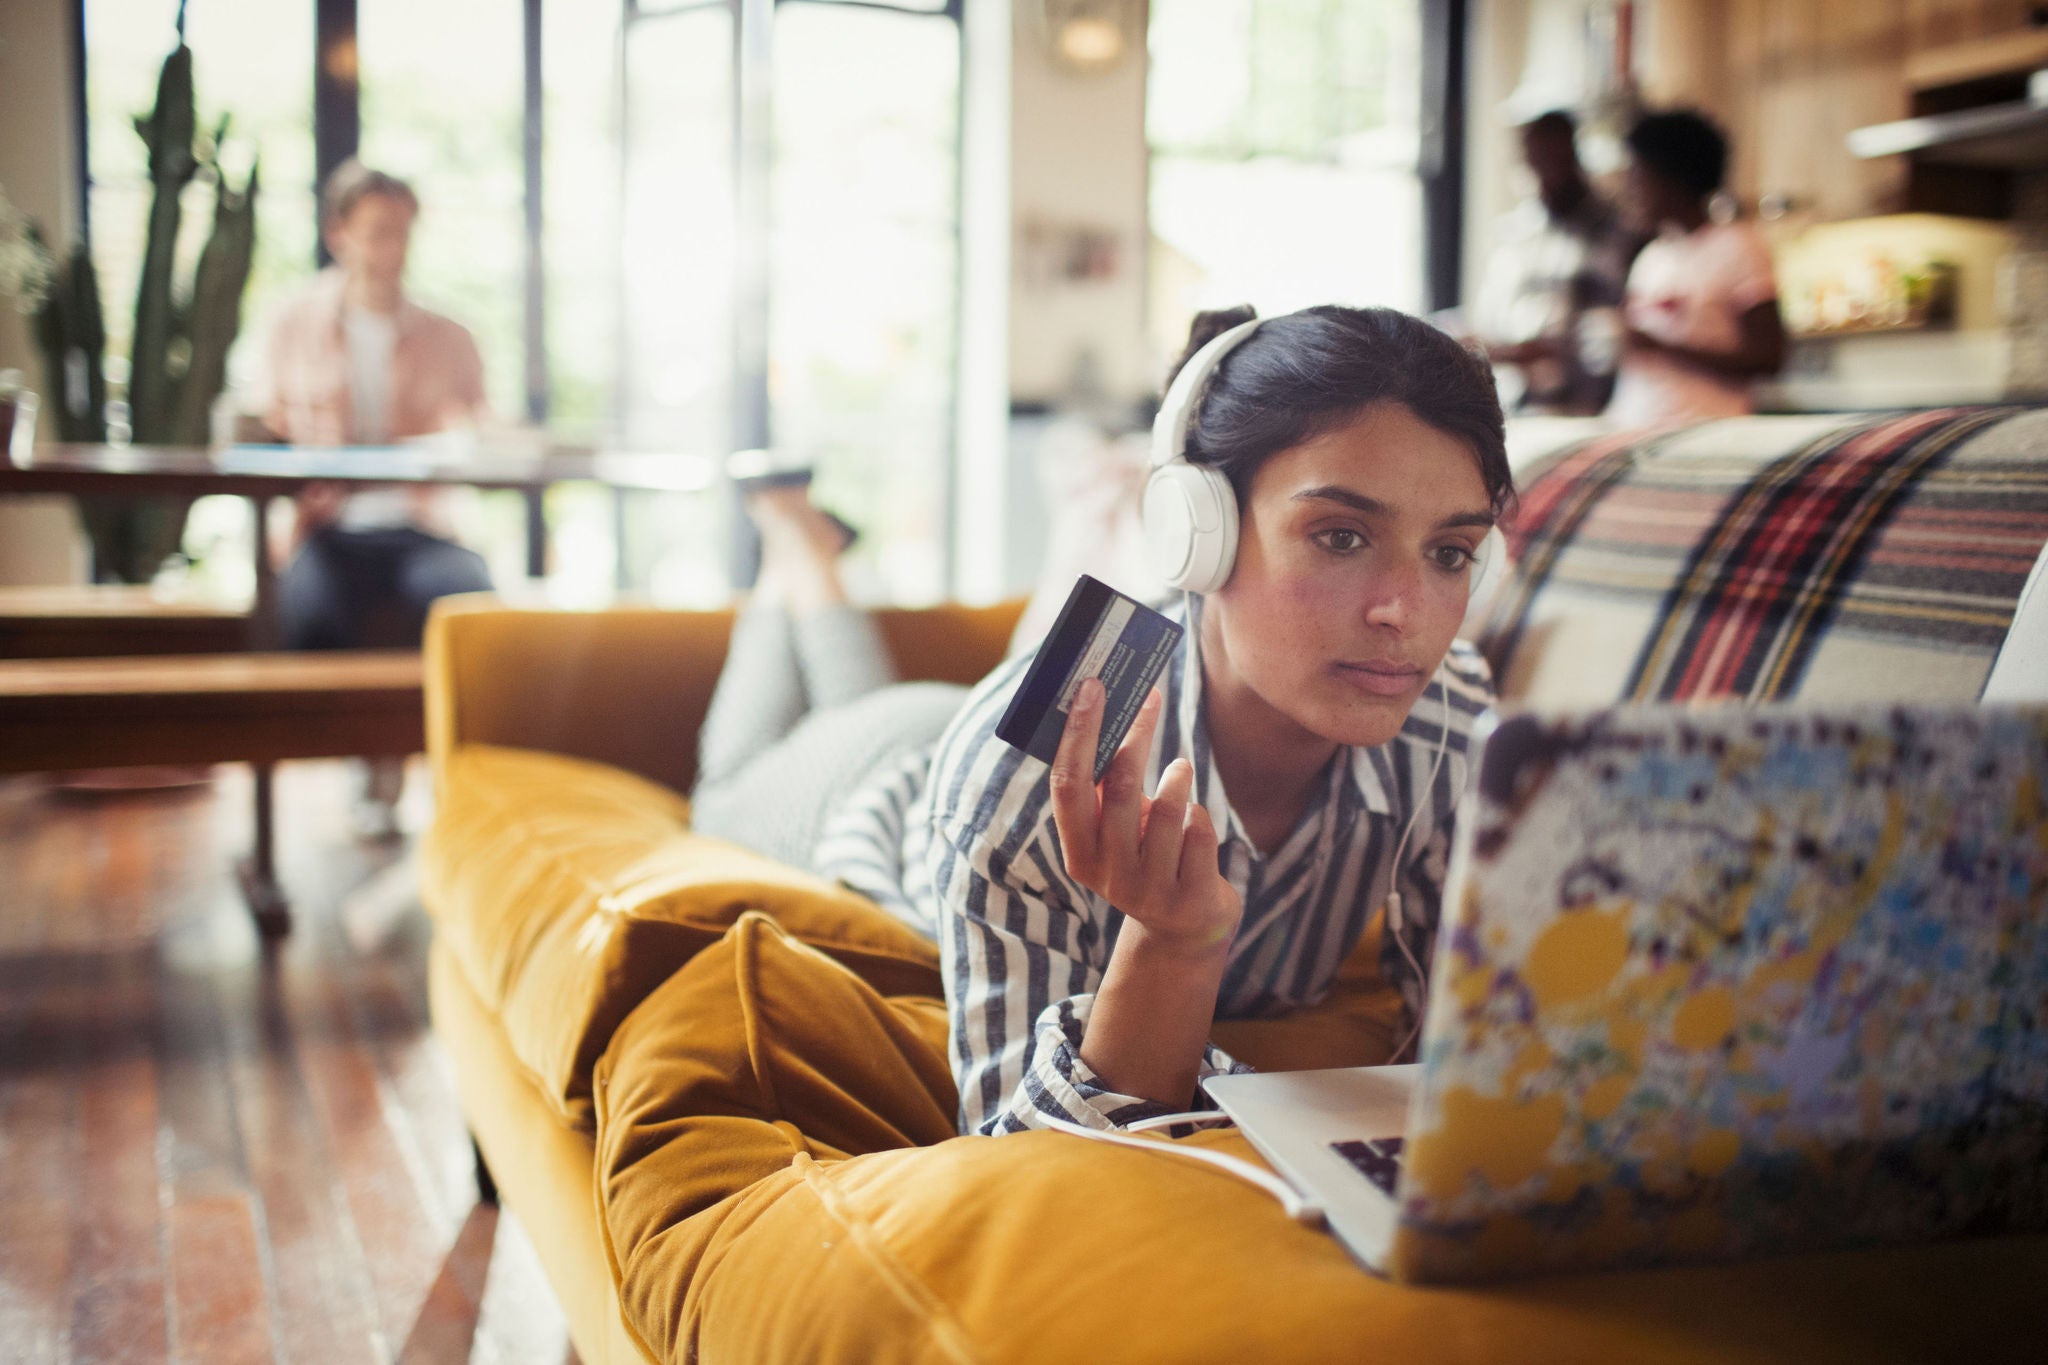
(1190, 510)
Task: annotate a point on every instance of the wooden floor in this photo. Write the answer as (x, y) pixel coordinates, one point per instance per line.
(211, 1155)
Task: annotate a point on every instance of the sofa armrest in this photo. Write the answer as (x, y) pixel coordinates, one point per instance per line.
(628, 686)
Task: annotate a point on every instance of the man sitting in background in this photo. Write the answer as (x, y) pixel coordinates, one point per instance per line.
(352, 361)
(1557, 274)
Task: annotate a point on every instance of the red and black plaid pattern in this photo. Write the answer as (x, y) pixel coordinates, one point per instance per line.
(1728, 562)
(1758, 592)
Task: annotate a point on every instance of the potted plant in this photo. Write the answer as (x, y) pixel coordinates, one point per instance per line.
(183, 329)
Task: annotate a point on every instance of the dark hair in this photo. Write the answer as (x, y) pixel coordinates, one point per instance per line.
(1305, 373)
(352, 182)
(1684, 147)
(1557, 121)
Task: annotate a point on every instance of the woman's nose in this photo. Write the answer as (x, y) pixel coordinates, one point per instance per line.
(1392, 597)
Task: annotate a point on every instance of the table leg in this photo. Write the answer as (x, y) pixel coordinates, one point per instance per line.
(263, 625)
(536, 533)
(260, 886)
(259, 870)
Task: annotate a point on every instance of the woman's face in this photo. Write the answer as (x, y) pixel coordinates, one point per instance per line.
(1650, 200)
(1352, 573)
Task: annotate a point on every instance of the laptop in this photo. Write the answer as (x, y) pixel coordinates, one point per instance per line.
(1708, 985)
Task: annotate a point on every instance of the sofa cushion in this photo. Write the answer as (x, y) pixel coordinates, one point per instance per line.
(762, 1200)
(1774, 558)
(568, 890)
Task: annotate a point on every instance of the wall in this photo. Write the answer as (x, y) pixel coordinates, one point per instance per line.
(38, 163)
(38, 167)
(1077, 161)
(1790, 78)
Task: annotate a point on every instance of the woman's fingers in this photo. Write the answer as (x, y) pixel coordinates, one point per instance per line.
(1123, 802)
(1197, 848)
(1074, 810)
(1160, 855)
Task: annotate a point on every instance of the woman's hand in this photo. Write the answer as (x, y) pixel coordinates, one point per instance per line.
(316, 506)
(319, 504)
(1152, 858)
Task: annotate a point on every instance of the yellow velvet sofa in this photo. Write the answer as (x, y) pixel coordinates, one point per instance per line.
(714, 1089)
(653, 1034)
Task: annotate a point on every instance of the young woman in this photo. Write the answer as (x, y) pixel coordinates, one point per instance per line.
(1305, 747)
(1701, 309)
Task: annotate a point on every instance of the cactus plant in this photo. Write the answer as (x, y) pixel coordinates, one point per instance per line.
(168, 131)
(212, 317)
(178, 350)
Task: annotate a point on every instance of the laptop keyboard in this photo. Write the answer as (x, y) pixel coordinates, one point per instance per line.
(1377, 1159)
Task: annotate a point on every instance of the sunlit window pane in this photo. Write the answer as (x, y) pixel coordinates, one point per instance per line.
(865, 283)
(580, 176)
(676, 370)
(1284, 150)
(442, 95)
(237, 70)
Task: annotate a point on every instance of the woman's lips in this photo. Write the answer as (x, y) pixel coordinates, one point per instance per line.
(1382, 680)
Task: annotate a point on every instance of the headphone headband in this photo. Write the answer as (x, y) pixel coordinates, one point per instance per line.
(1176, 409)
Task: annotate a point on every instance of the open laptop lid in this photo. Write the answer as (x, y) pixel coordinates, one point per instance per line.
(1714, 984)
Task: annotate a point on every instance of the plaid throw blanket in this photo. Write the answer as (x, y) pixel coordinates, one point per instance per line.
(1775, 558)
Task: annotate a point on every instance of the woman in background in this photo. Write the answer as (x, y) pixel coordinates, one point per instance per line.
(1701, 309)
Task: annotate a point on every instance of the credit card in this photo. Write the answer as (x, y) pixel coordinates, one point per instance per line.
(1103, 634)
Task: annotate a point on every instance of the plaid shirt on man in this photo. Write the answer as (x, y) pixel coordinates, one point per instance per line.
(1547, 273)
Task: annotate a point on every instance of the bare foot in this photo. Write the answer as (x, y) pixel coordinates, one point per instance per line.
(799, 548)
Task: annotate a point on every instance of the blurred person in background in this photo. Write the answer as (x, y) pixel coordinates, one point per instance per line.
(1702, 323)
(1547, 310)
(353, 361)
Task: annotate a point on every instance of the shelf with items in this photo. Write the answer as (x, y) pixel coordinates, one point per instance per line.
(1872, 293)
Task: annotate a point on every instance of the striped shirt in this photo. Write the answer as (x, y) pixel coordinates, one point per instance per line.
(964, 848)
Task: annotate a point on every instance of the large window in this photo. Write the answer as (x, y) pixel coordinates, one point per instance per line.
(235, 72)
(749, 230)
(1286, 151)
(677, 309)
(442, 105)
(864, 286)
(791, 214)
(580, 165)
(678, 214)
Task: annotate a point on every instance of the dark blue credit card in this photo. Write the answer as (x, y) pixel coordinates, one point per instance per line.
(1103, 634)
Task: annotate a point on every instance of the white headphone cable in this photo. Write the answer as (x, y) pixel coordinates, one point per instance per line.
(1193, 1116)
(1297, 1208)
(1394, 916)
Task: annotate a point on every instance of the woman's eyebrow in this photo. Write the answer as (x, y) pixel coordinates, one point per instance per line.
(1359, 502)
(1373, 507)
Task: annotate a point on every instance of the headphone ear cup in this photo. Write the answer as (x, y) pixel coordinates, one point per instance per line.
(1190, 516)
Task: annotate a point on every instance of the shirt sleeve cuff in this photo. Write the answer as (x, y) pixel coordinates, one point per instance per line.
(1059, 1084)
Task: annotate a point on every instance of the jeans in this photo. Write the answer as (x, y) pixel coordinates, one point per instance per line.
(370, 589)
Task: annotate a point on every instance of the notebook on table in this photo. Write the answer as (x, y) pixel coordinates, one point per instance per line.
(1707, 985)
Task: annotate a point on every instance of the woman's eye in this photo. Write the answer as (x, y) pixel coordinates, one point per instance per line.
(1340, 541)
(1453, 558)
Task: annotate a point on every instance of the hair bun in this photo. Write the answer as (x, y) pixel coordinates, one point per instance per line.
(1209, 324)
